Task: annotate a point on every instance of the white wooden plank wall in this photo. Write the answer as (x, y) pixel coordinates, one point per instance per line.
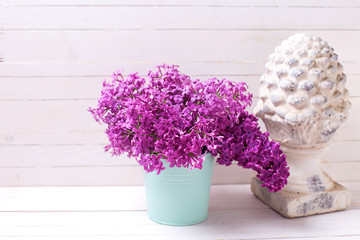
(55, 54)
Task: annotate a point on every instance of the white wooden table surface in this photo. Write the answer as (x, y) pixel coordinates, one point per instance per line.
(120, 213)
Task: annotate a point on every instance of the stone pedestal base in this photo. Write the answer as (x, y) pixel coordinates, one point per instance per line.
(294, 204)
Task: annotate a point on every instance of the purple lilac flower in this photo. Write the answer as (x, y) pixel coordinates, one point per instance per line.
(173, 117)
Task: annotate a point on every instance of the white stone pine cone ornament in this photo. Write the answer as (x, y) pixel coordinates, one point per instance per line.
(303, 99)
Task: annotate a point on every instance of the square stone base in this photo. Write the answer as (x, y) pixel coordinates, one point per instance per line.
(292, 204)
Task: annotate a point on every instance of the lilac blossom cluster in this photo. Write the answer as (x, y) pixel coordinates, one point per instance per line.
(175, 118)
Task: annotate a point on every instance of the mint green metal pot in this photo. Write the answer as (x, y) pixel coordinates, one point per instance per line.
(179, 196)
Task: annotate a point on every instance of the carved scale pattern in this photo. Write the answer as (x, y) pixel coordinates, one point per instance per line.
(303, 99)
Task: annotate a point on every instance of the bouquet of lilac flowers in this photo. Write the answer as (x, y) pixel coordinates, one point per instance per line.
(175, 118)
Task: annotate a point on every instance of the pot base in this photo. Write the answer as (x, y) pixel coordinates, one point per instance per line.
(177, 223)
(297, 204)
